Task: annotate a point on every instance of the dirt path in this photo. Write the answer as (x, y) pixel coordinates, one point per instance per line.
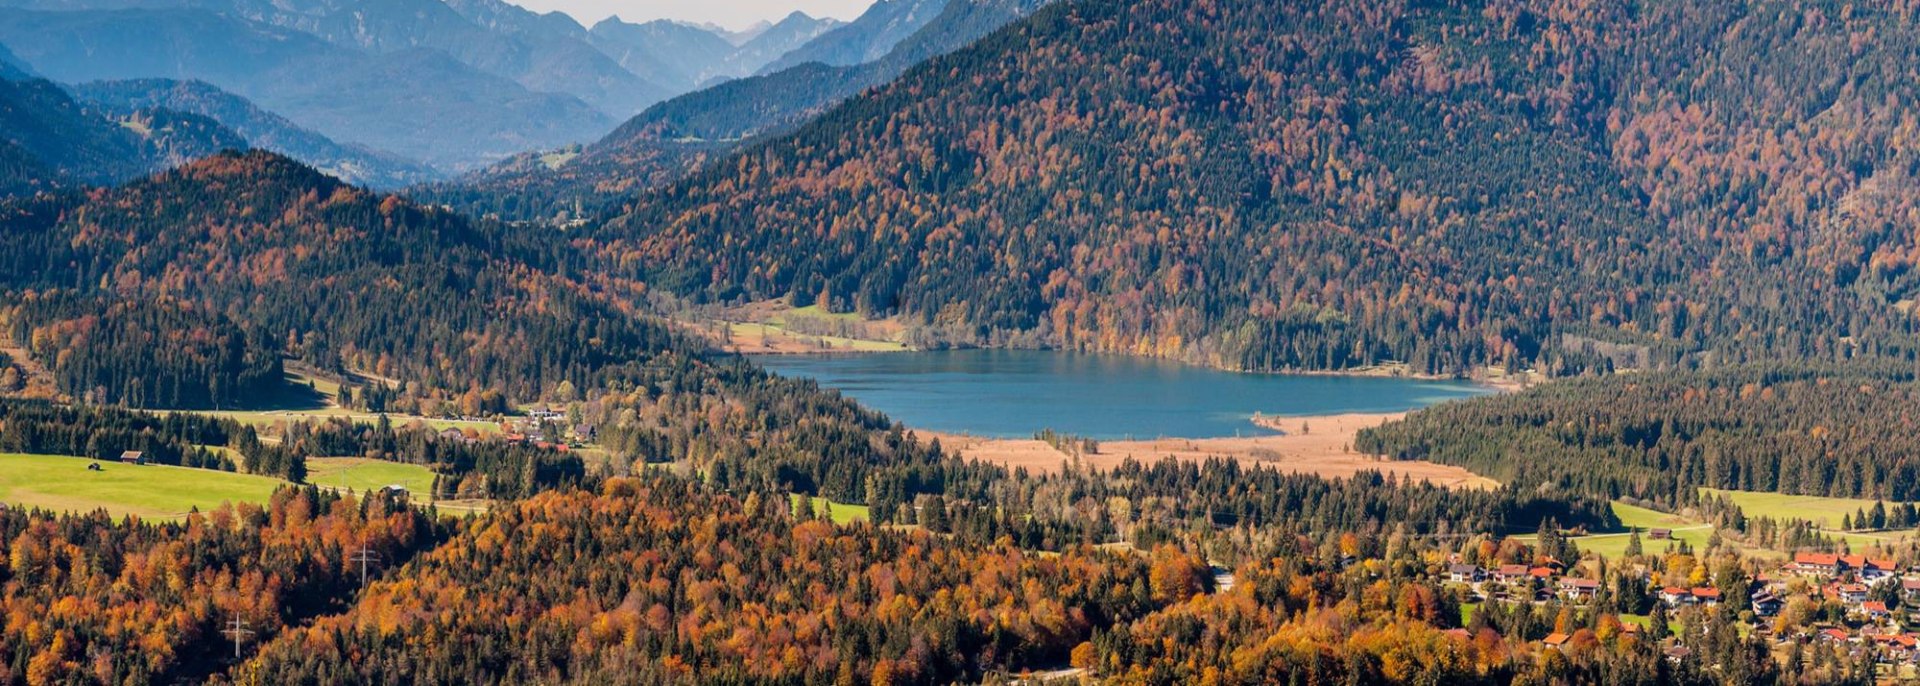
(1311, 445)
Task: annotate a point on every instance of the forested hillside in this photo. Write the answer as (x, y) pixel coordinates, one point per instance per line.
(345, 279)
(1337, 184)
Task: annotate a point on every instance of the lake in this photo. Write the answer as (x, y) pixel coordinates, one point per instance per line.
(1014, 393)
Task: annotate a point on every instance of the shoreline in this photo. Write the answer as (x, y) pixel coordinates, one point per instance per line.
(1502, 383)
(1321, 445)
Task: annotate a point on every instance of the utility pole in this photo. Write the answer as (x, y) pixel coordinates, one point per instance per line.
(363, 556)
(238, 631)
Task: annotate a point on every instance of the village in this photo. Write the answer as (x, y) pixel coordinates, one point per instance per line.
(541, 427)
(1856, 601)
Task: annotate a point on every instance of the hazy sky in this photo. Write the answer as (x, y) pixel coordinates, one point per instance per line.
(728, 13)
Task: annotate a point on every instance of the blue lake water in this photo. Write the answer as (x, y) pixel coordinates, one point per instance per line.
(1014, 393)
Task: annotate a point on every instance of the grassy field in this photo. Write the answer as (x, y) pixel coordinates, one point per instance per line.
(841, 513)
(1823, 511)
(266, 418)
(774, 336)
(1613, 545)
(361, 475)
(150, 491)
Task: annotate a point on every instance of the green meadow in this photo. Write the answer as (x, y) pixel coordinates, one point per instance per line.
(151, 491)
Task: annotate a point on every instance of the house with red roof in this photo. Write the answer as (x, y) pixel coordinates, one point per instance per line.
(1895, 647)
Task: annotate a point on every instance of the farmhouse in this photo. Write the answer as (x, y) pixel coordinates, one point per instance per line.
(1825, 564)
(1767, 604)
(1465, 573)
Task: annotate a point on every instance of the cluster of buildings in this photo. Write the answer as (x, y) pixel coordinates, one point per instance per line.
(542, 427)
(1848, 581)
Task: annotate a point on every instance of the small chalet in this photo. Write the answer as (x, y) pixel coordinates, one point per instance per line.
(1510, 573)
(1706, 595)
(1675, 596)
(1577, 589)
(1541, 573)
(1660, 534)
(1834, 635)
(1767, 604)
(1875, 609)
(1465, 573)
(133, 457)
(1677, 653)
(1557, 640)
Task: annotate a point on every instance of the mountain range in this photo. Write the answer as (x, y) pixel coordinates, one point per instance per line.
(452, 84)
(48, 140)
(675, 136)
(262, 129)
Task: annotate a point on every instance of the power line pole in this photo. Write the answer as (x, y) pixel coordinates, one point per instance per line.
(364, 556)
(238, 631)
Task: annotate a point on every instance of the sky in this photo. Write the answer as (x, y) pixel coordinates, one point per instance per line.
(732, 14)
